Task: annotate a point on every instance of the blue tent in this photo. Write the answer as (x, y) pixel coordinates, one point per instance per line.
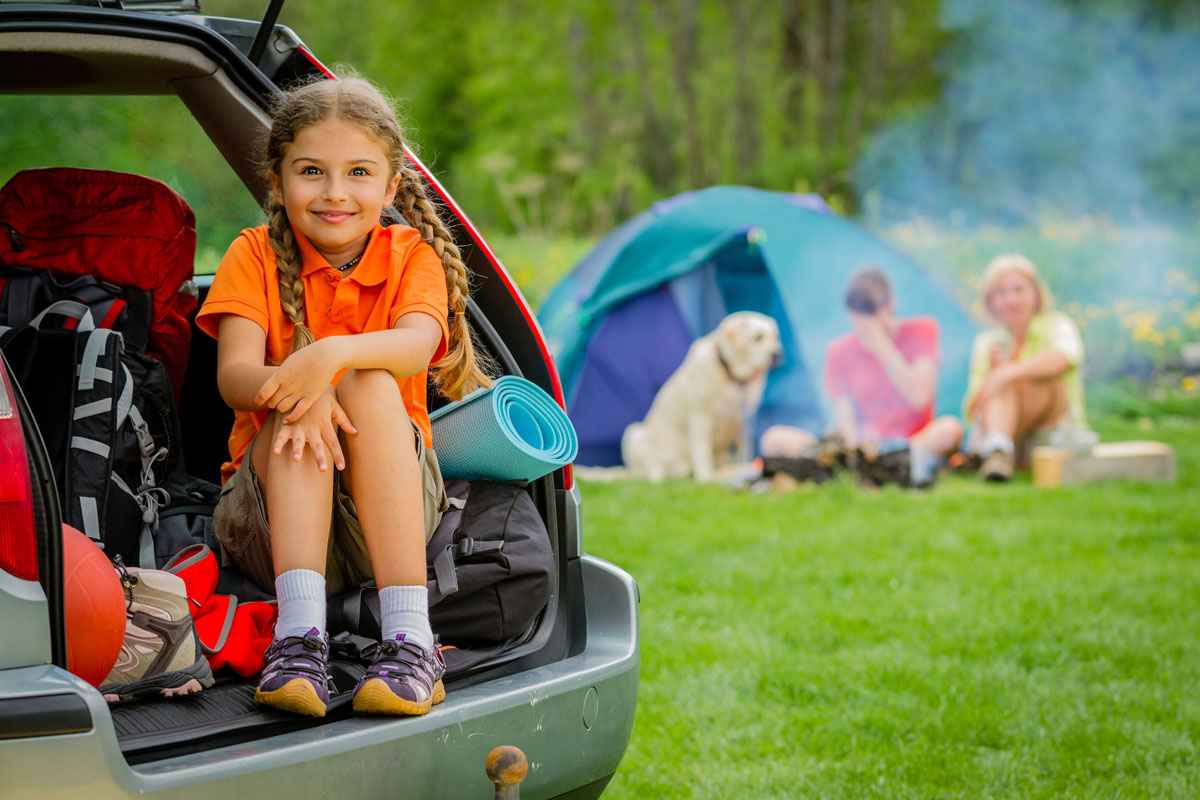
(622, 320)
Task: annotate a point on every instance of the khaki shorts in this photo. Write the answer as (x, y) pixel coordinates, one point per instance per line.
(240, 524)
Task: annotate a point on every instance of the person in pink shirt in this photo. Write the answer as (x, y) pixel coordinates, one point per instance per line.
(882, 377)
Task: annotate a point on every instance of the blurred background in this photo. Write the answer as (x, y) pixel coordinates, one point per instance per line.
(955, 130)
(834, 642)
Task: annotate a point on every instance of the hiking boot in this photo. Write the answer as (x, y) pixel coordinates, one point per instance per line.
(296, 675)
(161, 654)
(404, 678)
(997, 467)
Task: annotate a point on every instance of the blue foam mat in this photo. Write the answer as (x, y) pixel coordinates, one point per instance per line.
(511, 431)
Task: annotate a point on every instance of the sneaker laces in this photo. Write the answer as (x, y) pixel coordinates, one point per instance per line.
(390, 659)
(300, 661)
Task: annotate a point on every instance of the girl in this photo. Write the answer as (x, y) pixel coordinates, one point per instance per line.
(1024, 374)
(326, 324)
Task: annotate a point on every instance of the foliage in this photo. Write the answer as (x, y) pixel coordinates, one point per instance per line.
(1134, 290)
(973, 641)
(538, 266)
(546, 119)
(153, 136)
(1056, 106)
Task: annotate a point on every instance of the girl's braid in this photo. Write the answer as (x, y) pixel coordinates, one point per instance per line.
(287, 259)
(459, 371)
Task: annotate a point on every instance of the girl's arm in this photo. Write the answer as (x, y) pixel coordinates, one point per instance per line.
(241, 357)
(241, 351)
(405, 350)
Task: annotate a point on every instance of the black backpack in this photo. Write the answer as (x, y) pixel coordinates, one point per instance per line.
(489, 567)
(107, 416)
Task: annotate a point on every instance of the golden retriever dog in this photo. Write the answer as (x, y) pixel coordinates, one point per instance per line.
(699, 419)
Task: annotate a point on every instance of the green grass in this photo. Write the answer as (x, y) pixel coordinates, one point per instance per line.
(975, 641)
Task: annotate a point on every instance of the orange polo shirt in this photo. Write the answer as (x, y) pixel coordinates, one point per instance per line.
(399, 273)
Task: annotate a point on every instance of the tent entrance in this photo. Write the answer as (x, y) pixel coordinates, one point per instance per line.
(639, 343)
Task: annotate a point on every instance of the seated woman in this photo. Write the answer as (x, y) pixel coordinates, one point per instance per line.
(1024, 373)
(881, 379)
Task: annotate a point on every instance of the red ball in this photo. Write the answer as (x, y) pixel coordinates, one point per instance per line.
(93, 608)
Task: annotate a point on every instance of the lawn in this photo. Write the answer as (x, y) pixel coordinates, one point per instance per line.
(973, 641)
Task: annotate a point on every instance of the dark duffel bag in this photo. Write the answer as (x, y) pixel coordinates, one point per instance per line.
(490, 568)
(489, 564)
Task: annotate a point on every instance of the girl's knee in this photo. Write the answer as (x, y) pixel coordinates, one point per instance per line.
(367, 389)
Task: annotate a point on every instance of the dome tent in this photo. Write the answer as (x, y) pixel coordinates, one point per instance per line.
(622, 320)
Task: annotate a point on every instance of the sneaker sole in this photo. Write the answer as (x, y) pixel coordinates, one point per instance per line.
(376, 698)
(194, 678)
(297, 696)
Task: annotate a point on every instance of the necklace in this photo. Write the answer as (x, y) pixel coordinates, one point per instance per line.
(349, 264)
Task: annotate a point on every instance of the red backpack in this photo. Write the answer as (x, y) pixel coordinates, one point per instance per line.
(121, 244)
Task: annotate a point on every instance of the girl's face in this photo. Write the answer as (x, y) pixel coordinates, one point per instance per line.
(1013, 300)
(334, 180)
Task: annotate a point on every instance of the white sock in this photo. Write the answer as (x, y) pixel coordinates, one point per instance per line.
(996, 441)
(405, 611)
(301, 594)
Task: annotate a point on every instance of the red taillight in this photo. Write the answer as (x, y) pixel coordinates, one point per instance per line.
(18, 539)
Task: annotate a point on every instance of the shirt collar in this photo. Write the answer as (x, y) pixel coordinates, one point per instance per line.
(371, 270)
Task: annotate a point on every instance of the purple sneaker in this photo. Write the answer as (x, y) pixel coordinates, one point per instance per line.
(404, 678)
(296, 677)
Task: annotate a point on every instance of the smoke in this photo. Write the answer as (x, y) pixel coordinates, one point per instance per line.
(1049, 107)
(1069, 131)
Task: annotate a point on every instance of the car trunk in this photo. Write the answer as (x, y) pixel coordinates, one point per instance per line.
(238, 91)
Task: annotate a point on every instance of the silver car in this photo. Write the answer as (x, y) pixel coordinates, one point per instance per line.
(565, 696)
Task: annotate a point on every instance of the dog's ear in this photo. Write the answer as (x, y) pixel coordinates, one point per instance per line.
(736, 335)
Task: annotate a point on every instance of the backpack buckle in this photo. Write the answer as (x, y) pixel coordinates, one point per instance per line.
(466, 547)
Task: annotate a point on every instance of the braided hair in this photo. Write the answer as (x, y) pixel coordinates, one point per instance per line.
(355, 100)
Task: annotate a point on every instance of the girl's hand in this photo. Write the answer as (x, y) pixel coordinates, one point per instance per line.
(318, 429)
(300, 380)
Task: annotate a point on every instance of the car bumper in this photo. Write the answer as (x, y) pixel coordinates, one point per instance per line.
(572, 719)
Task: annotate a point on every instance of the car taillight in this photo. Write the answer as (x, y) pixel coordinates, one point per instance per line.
(18, 539)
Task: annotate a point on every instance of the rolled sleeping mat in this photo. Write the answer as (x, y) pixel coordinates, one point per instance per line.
(511, 431)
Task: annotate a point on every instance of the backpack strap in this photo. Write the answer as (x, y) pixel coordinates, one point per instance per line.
(91, 519)
(149, 496)
(18, 296)
(445, 579)
(230, 613)
(443, 571)
(67, 308)
(92, 350)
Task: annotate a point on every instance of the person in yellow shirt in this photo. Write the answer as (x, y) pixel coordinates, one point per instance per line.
(1024, 374)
